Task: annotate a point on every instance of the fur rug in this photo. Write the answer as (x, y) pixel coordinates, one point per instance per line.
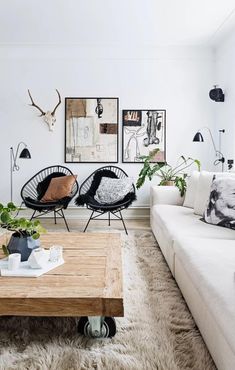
(157, 332)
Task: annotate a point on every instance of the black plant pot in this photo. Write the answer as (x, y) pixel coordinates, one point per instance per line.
(23, 245)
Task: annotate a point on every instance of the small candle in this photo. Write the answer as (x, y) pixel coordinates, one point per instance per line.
(14, 261)
(56, 253)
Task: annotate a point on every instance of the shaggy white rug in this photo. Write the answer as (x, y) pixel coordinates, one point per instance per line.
(157, 332)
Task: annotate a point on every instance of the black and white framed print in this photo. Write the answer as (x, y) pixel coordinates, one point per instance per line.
(142, 131)
(91, 130)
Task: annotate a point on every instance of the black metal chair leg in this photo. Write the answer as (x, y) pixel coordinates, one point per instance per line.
(62, 213)
(109, 217)
(123, 222)
(55, 217)
(88, 221)
(33, 215)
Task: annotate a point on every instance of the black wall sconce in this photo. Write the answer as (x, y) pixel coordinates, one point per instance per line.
(219, 156)
(13, 158)
(216, 94)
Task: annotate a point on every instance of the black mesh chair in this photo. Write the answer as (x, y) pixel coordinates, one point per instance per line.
(34, 189)
(88, 191)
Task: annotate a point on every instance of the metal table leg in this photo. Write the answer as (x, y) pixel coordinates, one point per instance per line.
(96, 327)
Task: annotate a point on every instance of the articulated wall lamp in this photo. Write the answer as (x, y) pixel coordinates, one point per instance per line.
(13, 159)
(199, 138)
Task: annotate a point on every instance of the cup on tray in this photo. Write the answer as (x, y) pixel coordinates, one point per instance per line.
(14, 261)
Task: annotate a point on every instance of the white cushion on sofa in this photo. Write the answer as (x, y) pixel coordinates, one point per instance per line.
(176, 220)
(210, 264)
(165, 195)
(203, 190)
(170, 222)
(191, 189)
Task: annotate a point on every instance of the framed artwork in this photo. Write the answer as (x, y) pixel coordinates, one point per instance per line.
(91, 130)
(142, 131)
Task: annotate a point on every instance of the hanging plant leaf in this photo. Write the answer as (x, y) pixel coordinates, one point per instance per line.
(35, 236)
(20, 226)
(5, 217)
(11, 206)
(5, 250)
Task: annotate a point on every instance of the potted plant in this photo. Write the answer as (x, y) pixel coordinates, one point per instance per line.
(26, 233)
(169, 175)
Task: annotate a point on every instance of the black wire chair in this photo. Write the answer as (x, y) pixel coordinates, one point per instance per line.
(88, 190)
(34, 189)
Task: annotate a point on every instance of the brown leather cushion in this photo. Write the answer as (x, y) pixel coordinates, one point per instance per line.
(59, 188)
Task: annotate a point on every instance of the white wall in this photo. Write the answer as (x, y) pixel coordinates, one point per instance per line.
(225, 78)
(175, 79)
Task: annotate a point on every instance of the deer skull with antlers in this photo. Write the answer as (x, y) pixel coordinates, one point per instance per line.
(49, 116)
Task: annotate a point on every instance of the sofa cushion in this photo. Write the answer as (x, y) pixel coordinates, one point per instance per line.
(221, 206)
(165, 195)
(175, 221)
(191, 191)
(210, 263)
(203, 192)
(203, 189)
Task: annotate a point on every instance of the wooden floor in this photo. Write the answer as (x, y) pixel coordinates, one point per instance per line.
(78, 225)
(95, 226)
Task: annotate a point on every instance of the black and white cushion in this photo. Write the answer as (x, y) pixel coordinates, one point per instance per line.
(113, 190)
(221, 206)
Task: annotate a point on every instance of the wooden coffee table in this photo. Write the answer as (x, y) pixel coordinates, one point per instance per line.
(88, 285)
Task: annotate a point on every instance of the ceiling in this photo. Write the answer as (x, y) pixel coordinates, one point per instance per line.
(115, 22)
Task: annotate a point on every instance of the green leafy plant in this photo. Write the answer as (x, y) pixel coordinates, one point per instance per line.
(20, 226)
(166, 172)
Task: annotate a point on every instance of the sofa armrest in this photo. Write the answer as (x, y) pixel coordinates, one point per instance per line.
(165, 195)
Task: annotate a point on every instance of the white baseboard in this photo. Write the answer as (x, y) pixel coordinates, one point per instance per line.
(81, 213)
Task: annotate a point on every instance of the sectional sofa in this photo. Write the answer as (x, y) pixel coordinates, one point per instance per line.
(201, 258)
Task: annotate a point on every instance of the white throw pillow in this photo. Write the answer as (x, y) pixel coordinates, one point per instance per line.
(113, 190)
(203, 190)
(191, 191)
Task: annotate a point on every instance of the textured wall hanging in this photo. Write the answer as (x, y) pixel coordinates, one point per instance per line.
(91, 130)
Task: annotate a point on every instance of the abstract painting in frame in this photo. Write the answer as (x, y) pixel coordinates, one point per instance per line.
(142, 131)
(91, 130)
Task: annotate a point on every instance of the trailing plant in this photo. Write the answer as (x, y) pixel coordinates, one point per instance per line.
(20, 226)
(166, 172)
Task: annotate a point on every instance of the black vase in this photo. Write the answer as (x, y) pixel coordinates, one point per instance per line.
(23, 245)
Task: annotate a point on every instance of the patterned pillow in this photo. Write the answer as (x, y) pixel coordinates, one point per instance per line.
(113, 190)
(221, 207)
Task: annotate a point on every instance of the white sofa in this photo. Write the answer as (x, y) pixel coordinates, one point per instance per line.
(201, 258)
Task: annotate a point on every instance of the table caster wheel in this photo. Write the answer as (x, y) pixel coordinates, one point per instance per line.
(108, 327)
(111, 324)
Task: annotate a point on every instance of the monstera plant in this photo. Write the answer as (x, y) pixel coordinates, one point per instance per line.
(25, 233)
(168, 174)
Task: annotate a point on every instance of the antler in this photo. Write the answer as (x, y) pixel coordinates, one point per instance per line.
(53, 112)
(36, 106)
